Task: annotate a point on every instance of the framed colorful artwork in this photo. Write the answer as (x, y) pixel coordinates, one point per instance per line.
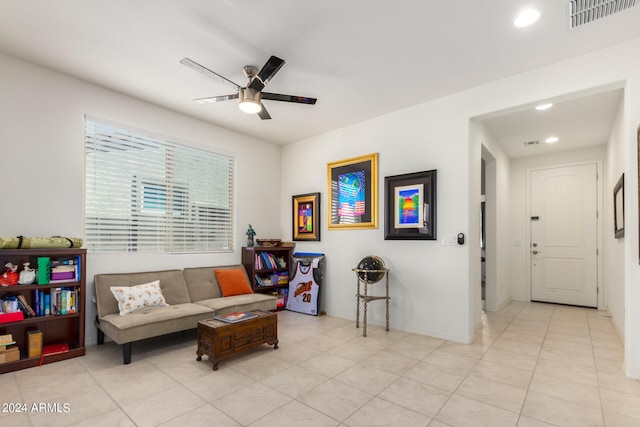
(410, 206)
(353, 192)
(306, 217)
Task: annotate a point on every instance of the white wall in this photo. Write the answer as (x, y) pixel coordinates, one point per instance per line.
(614, 264)
(434, 287)
(42, 141)
(497, 218)
(417, 272)
(631, 122)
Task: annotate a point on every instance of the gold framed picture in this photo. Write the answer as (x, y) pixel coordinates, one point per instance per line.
(352, 185)
(306, 217)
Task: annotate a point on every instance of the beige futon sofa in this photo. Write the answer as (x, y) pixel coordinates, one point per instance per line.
(193, 294)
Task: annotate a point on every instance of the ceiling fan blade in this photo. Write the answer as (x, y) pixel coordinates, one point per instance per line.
(216, 99)
(288, 98)
(207, 72)
(263, 113)
(270, 68)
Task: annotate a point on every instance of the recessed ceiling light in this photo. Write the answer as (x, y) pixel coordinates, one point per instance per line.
(544, 106)
(526, 18)
(551, 139)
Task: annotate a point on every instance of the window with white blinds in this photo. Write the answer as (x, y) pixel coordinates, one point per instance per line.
(148, 194)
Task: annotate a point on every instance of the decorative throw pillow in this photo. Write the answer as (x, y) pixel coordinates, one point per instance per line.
(139, 297)
(233, 282)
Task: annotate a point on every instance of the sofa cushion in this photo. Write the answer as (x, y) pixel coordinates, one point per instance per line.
(154, 322)
(245, 302)
(172, 284)
(139, 297)
(233, 282)
(202, 282)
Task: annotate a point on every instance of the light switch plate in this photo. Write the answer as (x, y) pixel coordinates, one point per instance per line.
(450, 240)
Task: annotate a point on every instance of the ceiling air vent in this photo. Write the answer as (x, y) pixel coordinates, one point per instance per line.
(528, 143)
(582, 12)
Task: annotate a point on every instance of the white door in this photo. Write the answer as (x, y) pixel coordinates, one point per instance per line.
(564, 259)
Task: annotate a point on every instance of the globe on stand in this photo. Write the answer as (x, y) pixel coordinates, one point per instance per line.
(372, 263)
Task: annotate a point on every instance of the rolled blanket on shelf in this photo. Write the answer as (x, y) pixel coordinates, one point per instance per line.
(21, 242)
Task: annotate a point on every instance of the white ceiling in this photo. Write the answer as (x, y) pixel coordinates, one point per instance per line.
(578, 122)
(360, 58)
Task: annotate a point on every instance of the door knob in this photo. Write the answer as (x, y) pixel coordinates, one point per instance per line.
(535, 252)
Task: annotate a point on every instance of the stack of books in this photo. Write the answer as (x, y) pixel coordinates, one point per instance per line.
(8, 351)
(268, 261)
(65, 270)
(55, 301)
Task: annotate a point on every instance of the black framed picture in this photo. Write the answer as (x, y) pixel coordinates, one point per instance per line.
(618, 208)
(410, 206)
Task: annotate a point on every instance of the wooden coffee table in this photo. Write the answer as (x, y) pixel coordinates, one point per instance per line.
(220, 340)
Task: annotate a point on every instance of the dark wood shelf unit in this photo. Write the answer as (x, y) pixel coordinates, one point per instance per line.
(249, 255)
(68, 328)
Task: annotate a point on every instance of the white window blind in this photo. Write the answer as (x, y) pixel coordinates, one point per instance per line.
(147, 194)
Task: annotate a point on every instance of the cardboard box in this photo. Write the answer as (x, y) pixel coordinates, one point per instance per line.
(9, 355)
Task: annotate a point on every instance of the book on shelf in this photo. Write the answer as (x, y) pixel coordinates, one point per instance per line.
(267, 260)
(50, 350)
(236, 316)
(263, 281)
(65, 270)
(25, 306)
(34, 343)
(6, 339)
(55, 301)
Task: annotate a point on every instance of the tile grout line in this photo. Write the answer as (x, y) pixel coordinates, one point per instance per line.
(478, 361)
(595, 364)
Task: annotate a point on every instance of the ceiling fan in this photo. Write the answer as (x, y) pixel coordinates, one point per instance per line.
(250, 96)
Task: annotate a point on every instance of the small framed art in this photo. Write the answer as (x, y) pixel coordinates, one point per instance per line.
(618, 208)
(410, 206)
(306, 217)
(352, 185)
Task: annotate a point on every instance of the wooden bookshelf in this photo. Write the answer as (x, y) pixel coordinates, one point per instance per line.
(56, 329)
(261, 273)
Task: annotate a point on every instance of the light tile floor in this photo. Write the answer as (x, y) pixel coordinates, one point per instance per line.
(531, 365)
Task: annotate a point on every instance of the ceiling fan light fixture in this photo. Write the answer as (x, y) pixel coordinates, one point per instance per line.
(250, 107)
(250, 101)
